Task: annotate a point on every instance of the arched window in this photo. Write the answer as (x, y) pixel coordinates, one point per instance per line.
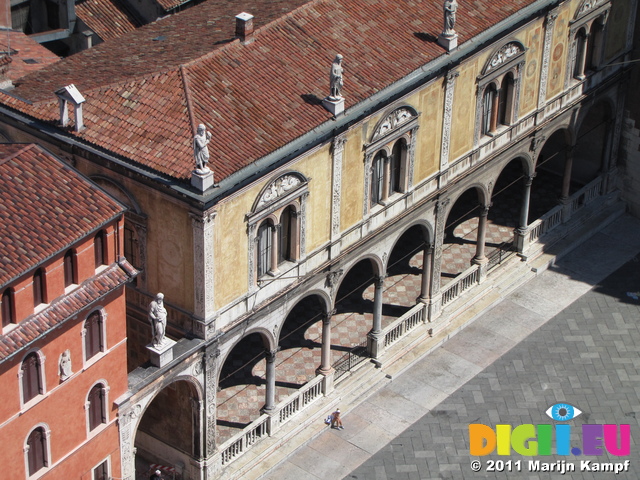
(505, 102)
(581, 53)
(264, 247)
(489, 123)
(39, 292)
(96, 406)
(100, 248)
(7, 308)
(93, 335)
(70, 274)
(398, 159)
(377, 178)
(288, 248)
(36, 451)
(31, 373)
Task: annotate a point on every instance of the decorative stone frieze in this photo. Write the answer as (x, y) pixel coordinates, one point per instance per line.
(546, 54)
(450, 85)
(203, 265)
(336, 193)
(392, 122)
(503, 56)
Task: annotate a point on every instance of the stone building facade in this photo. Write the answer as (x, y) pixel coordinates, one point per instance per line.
(326, 237)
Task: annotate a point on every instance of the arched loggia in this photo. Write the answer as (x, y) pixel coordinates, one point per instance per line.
(170, 430)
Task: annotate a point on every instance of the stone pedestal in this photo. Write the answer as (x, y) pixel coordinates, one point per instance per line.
(449, 42)
(161, 354)
(334, 105)
(202, 179)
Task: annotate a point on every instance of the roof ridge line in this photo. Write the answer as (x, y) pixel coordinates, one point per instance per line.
(187, 94)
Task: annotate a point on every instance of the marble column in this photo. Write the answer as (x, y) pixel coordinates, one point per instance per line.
(480, 258)
(377, 305)
(274, 250)
(270, 393)
(325, 365)
(566, 179)
(425, 285)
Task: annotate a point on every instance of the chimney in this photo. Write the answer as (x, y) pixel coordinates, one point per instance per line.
(70, 94)
(5, 14)
(244, 27)
(5, 81)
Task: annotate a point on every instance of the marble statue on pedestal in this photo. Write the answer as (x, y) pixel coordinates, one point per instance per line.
(158, 320)
(200, 149)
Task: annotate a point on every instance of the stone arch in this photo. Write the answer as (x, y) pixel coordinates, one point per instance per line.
(282, 185)
(176, 438)
(376, 263)
(119, 191)
(268, 342)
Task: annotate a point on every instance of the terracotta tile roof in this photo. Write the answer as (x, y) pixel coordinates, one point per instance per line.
(46, 206)
(171, 4)
(107, 18)
(26, 55)
(38, 324)
(142, 95)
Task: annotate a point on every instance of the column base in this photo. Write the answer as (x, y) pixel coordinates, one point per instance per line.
(479, 260)
(325, 371)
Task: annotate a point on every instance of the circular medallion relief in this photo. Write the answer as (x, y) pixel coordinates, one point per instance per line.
(557, 52)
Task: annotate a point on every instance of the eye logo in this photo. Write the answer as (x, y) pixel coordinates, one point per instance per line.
(562, 412)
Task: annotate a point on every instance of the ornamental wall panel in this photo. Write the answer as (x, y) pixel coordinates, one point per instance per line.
(428, 145)
(352, 179)
(463, 120)
(531, 75)
(558, 59)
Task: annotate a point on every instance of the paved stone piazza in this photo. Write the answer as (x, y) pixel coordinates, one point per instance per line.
(571, 335)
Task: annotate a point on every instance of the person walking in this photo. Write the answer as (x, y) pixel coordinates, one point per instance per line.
(156, 476)
(336, 421)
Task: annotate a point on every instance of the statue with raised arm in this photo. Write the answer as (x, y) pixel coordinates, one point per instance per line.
(200, 149)
(158, 320)
(335, 78)
(450, 9)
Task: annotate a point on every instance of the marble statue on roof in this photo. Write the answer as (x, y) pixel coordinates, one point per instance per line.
(450, 9)
(200, 149)
(335, 78)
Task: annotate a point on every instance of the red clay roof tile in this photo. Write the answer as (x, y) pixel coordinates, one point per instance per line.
(254, 98)
(46, 207)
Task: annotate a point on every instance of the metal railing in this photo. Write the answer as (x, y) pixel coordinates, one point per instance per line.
(355, 356)
(500, 254)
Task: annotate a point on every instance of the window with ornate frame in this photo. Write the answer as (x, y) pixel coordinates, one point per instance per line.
(276, 225)
(390, 157)
(31, 377)
(587, 35)
(94, 335)
(37, 451)
(498, 93)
